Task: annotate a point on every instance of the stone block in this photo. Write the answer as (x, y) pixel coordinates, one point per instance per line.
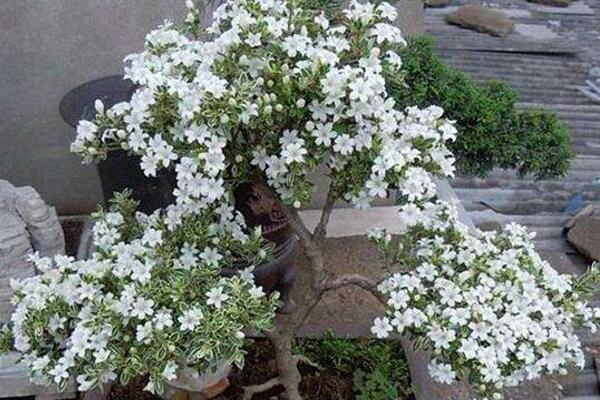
(482, 19)
(585, 237)
(437, 3)
(553, 3)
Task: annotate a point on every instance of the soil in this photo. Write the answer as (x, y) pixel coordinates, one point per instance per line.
(325, 384)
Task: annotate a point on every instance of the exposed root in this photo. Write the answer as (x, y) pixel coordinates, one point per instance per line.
(307, 361)
(250, 391)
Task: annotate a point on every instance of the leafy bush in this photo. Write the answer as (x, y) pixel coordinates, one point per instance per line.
(492, 133)
(377, 368)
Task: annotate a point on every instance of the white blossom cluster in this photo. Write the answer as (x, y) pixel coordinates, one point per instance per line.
(272, 91)
(276, 90)
(485, 304)
(151, 300)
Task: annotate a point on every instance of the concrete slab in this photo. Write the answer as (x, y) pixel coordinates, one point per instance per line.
(576, 8)
(348, 311)
(511, 12)
(346, 222)
(535, 32)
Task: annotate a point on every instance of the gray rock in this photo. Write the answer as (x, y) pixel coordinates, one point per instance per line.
(585, 237)
(437, 3)
(545, 388)
(482, 19)
(553, 3)
(41, 220)
(27, 224)
(585, 212)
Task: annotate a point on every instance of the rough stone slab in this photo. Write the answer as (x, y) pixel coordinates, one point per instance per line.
(14, 382)
(562, 263)
(576, 8)
(510, 12)
(585, 237)
(348, 311)
(352, 222)
(482, 19)
(552, 3)
(535, 32)
(545, 388)
(437, 3)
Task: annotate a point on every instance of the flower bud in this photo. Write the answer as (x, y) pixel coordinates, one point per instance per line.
(273, 97)
(270, 83)
(268, 110)
(239, 158)
(99, 106)
(232, 102)
(279, 108)
(286, 80)
(297, 204)
(301, 103)
(224, 118)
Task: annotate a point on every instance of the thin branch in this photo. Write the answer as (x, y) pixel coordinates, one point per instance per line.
(360, 281)
(321, 228)
(250, 391)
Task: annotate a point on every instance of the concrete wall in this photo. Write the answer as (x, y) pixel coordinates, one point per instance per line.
(48, 47)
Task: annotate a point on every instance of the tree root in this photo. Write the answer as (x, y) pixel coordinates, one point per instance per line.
(250, 391)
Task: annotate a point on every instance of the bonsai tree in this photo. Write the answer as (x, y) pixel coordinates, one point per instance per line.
(275, 89)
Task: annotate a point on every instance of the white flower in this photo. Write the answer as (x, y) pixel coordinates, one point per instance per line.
(190, 319)
(169, 373)
(381, 328)
(323, 134)
(257, 292)
(216, 297)
(143, 332)
(294, 152)
(163, 319)
(152, 237)
(344, 144)
(142, 308)
(211, 256)
(441, 372)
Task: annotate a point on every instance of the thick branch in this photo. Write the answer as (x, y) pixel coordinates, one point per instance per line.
(362, 282)
(321, 228)
(300, 229)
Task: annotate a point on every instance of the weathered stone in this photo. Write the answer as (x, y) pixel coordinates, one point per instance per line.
(562, 263)
(553, 3)
(585, 237)
(482, 19)
(27, 224)
(490, 226)
(437, 3)
(585, 212)
(545, 388)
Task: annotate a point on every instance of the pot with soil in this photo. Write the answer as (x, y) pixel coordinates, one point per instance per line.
(121, 171)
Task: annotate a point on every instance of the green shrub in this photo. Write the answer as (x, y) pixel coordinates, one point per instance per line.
(377, 368)
(491, 132)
